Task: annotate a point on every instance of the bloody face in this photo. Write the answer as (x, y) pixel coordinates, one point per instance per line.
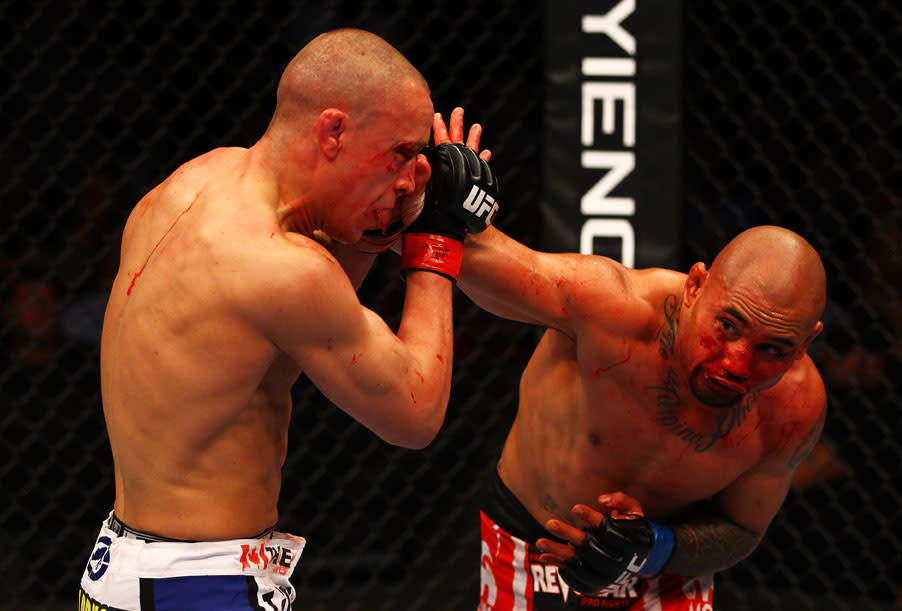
(739, 342)
(382, 166)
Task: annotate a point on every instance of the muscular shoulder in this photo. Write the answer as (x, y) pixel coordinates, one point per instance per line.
(659, 290)
(627, 302)
(199, 177)
(292, 282)
(219, 214)
(284, 267)
(794, 411)
(219, 168)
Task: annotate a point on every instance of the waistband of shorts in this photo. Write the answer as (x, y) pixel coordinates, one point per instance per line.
(506, 510)
(130, 556)
(122, 530)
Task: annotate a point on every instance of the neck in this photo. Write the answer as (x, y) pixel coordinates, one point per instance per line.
(299, 216)
(293, 198)
(698, 425)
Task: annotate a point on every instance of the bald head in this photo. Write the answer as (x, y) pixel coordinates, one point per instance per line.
(778, 264)
(352, 70)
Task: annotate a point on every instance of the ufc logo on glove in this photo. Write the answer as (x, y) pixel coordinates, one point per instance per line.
(479, 202)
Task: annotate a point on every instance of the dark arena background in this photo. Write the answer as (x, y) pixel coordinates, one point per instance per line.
(789, 115)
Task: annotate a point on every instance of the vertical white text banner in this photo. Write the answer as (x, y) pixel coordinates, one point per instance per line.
(612, 149)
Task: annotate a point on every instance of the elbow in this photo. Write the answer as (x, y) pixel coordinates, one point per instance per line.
(411, 415)
(744, 543)
(425, 429)
(411, 439)
(416, 430)
(418, 442)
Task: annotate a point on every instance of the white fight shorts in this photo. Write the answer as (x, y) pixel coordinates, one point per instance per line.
(130, 571)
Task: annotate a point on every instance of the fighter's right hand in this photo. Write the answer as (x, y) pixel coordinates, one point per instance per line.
(461, 197)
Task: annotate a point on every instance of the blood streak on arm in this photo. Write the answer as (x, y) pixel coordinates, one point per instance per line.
(157, 245)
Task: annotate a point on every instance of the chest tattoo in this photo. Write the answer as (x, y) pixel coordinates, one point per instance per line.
(668, 403)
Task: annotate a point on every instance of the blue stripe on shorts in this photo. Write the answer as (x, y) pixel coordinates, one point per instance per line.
(200, 593)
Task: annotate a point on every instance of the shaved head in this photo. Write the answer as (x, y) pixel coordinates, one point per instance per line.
(352, 70)
(750, 317)
(778, 264)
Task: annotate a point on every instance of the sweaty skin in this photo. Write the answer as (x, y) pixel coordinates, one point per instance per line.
(656, 389)
(223, 299)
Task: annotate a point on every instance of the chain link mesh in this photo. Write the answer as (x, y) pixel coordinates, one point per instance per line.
(791, 117)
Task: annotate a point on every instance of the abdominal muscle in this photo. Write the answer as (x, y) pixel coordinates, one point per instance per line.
(546, 461)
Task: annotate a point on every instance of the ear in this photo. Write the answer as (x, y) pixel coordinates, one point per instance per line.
(330, 126)
(814, 333)
(695, 279)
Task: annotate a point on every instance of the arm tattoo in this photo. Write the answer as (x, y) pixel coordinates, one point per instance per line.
(708, 544)
(809, 442)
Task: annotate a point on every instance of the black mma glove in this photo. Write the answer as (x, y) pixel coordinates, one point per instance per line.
(461, 197)
(619, 548)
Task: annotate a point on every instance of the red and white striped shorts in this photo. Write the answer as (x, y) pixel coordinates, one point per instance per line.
(513, 579)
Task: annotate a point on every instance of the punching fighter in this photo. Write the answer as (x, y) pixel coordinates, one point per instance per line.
(660, 417)
(225, 294)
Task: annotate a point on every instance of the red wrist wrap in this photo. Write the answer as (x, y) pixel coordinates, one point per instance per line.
(431, 252)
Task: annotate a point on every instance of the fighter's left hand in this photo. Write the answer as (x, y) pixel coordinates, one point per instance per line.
(619, 544)
(616, 504)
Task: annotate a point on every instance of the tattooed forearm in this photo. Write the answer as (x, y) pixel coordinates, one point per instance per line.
(709, 544)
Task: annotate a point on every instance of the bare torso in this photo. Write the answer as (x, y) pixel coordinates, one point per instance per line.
(196, 399)
(597, 416)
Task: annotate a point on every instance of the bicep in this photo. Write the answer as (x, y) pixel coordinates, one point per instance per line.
(309, 310)
(347, 351)
(360, 366)
(753, 500)
(355, 262)
(552, 290)
(394, 384)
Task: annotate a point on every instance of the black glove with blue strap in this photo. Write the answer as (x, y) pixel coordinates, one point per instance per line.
(619, 548)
